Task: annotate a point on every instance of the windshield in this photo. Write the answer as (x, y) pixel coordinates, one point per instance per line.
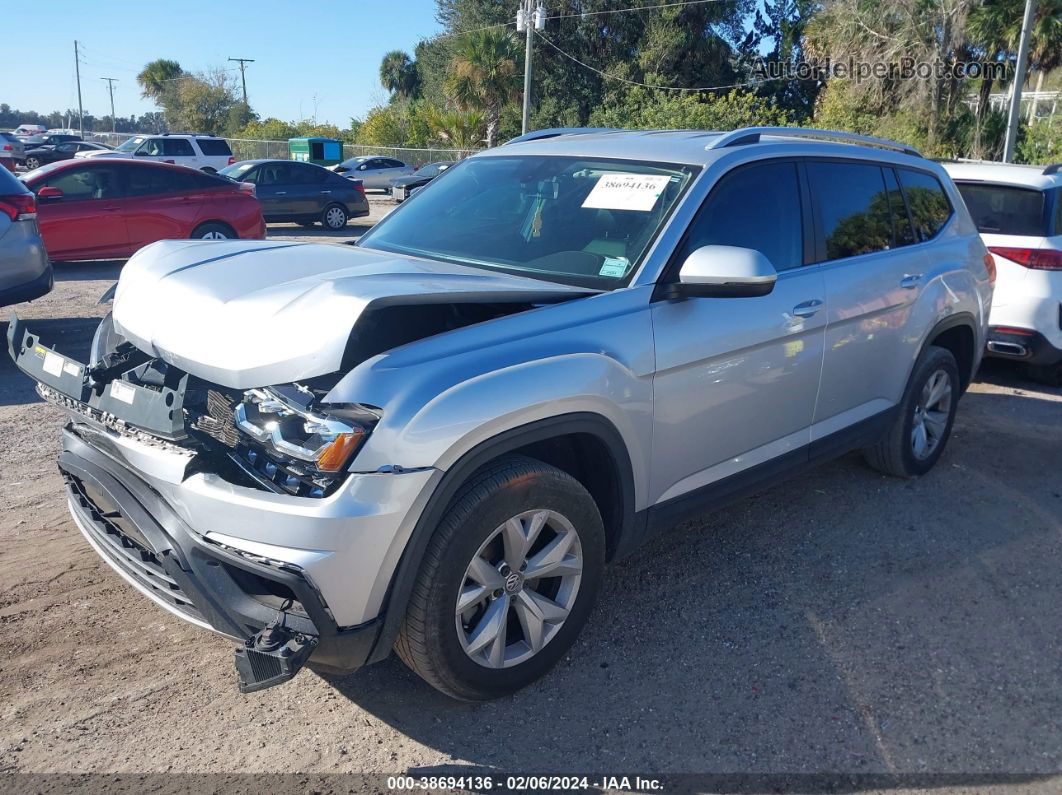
(131, 144)
(432, 169)
(236, 171)
(354, 162)
(566, 219)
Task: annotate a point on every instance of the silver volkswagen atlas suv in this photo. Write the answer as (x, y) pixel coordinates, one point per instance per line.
(435, 440)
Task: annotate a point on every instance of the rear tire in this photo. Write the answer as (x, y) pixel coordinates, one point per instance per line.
(921, 430)
(1049, 374)
(475, 628)
(32, 163)
(334, 217)
(213, 231)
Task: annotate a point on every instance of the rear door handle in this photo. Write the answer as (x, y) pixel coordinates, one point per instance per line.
(808, 308)
(326, 191)
(910, 281)
(281, 193)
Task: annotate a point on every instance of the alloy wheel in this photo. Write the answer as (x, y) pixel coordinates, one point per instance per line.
(214, 234)
(931, 415)
(32, 163)
(519, 588)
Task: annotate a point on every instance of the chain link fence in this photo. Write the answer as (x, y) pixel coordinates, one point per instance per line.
(249, 149)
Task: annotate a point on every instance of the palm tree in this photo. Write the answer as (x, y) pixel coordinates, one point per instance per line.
(484, 74)
(398, 74)
(455, 128)
(157, 77)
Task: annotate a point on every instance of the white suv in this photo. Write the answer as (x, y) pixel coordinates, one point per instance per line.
(1018, 210)
(204, 152)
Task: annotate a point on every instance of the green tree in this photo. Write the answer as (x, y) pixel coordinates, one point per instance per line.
(484, 75)
(158, 77)
(645, 109)
(457, 129)
(202, 103)
(398, 74)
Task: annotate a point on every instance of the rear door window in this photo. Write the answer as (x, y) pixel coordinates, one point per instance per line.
(926, 201)
(177, 147)
(902, 232)
(1004, 210)
(853, 207)
(153, 181)
(773, 227)
(307, 175)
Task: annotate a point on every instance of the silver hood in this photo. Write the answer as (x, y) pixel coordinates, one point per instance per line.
(251, 313)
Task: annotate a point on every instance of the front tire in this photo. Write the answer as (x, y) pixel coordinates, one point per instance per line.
(32, 163)
(507, 582)
(334, 217)
(921, 430)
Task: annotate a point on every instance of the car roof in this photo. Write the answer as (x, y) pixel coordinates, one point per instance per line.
(1004, 174)
(702, 147)
(120, 162)
(259, 161)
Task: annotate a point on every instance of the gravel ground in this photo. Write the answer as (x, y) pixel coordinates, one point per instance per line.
(843, 623)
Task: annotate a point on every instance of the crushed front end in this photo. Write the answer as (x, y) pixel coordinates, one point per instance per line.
(235, 510)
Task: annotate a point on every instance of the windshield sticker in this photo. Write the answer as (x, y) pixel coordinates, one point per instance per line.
(626, 192)
(615, 267)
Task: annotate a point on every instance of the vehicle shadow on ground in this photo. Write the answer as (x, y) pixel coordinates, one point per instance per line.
(71, 336)
(92, 270)
(843, 622)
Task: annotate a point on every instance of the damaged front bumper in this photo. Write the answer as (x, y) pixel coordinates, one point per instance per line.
(293, 579)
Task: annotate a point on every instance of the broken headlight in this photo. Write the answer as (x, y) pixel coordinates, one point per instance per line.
(310, 444)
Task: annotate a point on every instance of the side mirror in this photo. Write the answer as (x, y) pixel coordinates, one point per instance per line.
(724, 272)
(363, 166)
(50, 194)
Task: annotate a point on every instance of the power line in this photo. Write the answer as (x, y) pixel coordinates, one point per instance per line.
(634, 8)
(571, 57)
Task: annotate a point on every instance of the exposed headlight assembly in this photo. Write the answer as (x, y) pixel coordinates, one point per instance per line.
(322, 441)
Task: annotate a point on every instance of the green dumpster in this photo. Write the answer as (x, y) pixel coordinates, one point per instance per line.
(322, 151)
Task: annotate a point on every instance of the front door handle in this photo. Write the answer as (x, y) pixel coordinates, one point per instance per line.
(910, 281)
(326, 191)
(280, 193)
(808, 308)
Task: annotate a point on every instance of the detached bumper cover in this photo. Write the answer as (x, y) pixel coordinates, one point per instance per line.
(217, 587)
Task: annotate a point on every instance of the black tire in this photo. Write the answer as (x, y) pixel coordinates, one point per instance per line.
(213, 231)
(428, 641)
(1049, 374)
(894, 453)
(208, 170)
(335, 217)
(32, 163)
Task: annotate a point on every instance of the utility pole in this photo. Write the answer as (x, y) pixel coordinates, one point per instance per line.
(1019, 81)
(528, 20)
(243, 77)
(110, 87)
(80, 108)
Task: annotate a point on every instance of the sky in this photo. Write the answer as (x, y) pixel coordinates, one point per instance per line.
(311, 58)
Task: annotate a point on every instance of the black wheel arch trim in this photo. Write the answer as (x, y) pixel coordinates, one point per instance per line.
(628, 532)
(946, 324)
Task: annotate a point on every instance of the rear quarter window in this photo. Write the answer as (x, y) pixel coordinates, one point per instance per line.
(926, 201)
(214, 146)
(1004, 210)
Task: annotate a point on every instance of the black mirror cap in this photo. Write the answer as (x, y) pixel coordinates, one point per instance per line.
(677, 291)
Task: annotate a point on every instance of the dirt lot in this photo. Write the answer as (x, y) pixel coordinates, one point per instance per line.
(842, 623)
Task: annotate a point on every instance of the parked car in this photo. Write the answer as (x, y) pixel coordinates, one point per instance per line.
(301, 192)
(1018, 210)
(29, 129)
(25, 272)
(203, 152)
(374, 172)
(94, 209)
(48, 140)
(12, 152)
(402, 187)
(35, 158)
(433, 441)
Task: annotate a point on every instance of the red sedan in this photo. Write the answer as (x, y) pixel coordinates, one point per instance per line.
(95, 209)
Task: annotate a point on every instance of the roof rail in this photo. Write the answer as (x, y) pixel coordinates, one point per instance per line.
(1054, 168)
(751, 135)
(553, 132)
